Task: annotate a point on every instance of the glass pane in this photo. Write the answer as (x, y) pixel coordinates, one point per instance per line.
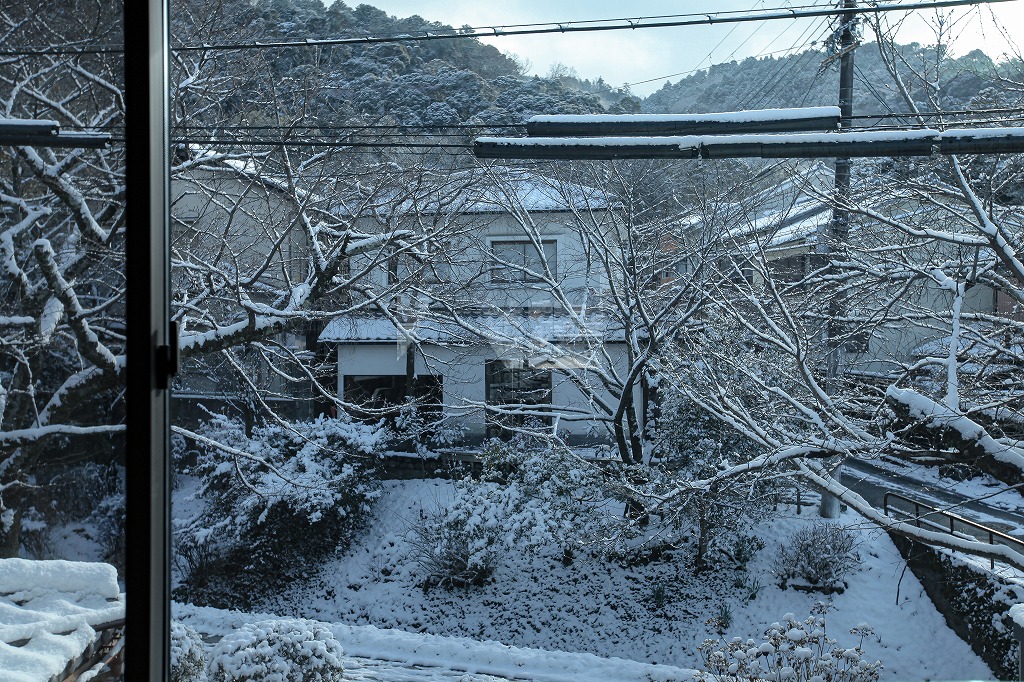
(512, 253)
(62, 337)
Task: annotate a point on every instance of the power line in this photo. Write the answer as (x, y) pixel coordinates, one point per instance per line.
(588, 26)
(783, 70)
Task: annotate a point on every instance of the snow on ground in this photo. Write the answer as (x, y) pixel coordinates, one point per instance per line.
(395, 655)
(656, 613)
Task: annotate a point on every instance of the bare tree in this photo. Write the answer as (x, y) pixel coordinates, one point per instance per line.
(931, 287)
(61, 238)
(263, 241)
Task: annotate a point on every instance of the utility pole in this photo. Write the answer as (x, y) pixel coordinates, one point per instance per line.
(839, 229)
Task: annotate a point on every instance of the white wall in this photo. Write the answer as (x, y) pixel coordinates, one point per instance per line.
(464, 384)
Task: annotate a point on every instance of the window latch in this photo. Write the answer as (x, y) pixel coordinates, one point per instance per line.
(167, 358)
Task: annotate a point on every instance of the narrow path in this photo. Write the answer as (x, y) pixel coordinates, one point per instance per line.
(872, 482)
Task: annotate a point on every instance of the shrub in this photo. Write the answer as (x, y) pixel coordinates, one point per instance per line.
(547, 499)
(797, 651)
(74, 493)
(188, 657)
(742, 549)
(551, 496)
(821, 556)
(277, 502)
(453, 551)
(693, 445)
(109, 518)
(287, 650)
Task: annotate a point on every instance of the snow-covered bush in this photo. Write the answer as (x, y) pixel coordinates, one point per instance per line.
(90, 494)
(458, 546)
(792, 650)
(108, 518)
(75, 492)
(188, 657)
(550, 494)
(819, 556)
(277, 502)
(287, 650)
(545, 498)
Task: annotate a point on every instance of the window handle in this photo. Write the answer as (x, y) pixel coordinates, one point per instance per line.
(167, 357)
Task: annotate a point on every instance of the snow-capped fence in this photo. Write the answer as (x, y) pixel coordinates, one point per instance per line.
(934, 518)
(975, 602)
(60, 620)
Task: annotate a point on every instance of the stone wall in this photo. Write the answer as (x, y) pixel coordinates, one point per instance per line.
(974, 602)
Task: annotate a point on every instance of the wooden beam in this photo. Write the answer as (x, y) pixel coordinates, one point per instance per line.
(783, 146)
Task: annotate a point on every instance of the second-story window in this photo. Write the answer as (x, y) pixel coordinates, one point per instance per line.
(520, 261)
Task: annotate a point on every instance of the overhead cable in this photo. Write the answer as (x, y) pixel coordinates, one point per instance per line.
(587, 26)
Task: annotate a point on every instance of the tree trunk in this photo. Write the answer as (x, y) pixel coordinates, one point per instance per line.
(10, 524)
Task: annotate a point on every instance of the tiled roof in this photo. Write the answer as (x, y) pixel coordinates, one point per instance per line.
(546, 327)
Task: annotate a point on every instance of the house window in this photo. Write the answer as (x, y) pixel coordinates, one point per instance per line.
(791, 269)
(379, 393)
(520, 261)
(523, 390)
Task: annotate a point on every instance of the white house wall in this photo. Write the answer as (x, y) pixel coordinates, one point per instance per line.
(891, 347)
(468, 262)
(464, 384)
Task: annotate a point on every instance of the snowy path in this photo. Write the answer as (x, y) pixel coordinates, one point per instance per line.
(399, 671)
(871, 481)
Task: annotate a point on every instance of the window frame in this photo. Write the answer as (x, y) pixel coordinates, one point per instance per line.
(151, 340)
(519, 274)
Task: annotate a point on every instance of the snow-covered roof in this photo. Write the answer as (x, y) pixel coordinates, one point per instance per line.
(482, 190)
(533, 192)
(547, 327)
(51, 613)
(787, 226)
(247, 168)
(500, 190)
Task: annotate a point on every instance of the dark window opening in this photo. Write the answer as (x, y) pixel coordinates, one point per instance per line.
(791, 269)
(516, 387)
(382, 395)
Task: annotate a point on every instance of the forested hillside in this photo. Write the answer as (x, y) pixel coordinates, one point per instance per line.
(810, 79)
(430, 83)
(454, 82)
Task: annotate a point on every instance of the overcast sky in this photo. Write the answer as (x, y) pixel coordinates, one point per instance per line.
(657, 55)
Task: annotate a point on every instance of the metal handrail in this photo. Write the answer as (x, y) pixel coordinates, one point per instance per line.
(953, 520)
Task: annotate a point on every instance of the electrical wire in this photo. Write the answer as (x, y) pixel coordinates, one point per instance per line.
(574, 26)
(759, 96)
(588, 25)
(403, 130)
